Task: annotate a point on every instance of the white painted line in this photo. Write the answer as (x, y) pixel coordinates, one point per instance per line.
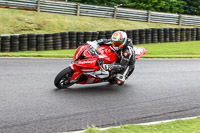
(157, 122)
(148, 123)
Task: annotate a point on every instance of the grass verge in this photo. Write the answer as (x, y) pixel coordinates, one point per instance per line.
(13, 21)
(69, 53)
(157, 50)
(178, 126)
(172, 50)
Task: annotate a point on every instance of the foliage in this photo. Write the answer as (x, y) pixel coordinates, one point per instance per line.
(192, 7)
(172, 6)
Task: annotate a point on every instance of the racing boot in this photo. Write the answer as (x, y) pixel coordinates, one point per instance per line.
(120, 79)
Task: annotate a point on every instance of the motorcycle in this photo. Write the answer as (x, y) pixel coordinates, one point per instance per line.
(86, 67)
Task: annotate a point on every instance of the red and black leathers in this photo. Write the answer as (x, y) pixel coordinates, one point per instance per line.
(125, 63)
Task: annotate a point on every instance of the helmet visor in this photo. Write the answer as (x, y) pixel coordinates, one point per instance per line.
(116, 43)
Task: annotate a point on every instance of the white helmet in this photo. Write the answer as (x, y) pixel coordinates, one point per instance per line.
(118, 39)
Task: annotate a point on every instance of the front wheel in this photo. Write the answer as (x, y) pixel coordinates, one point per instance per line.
(62, 80)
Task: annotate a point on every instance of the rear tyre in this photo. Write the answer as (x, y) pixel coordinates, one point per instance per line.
(62, 80)
(111, 81)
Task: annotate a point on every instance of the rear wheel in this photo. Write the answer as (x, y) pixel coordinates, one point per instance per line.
(112, 81)
(62, 80)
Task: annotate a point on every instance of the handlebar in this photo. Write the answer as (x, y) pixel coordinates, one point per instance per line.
(93, 51)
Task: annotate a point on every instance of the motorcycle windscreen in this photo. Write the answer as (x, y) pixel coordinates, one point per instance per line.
(106, 55)
(139, 52)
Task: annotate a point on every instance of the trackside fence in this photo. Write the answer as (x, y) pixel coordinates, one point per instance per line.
(72, 39)
(101, 11)
(21, 4)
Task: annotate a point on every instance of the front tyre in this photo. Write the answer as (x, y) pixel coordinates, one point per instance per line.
(62, 80)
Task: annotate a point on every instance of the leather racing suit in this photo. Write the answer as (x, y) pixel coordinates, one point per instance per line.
(125, 63)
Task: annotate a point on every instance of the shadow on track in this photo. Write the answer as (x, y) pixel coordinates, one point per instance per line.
(94, 88)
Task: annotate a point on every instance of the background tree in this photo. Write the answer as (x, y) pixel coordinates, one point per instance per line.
(192, 7)
(172, 6)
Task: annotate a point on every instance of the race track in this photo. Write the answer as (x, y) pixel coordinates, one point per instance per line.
(159, 89)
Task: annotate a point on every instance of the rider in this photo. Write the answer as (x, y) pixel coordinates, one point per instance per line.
(125, 63)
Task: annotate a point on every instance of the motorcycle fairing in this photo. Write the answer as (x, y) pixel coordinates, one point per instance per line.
(84, 65)
(79, 52)
(88, 63)
(89, 80)
(75, 76)
(77, 73)
(88, 69)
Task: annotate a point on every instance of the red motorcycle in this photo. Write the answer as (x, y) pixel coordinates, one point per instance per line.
(86, 67)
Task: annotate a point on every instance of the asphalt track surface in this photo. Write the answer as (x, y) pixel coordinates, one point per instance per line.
(159, 89)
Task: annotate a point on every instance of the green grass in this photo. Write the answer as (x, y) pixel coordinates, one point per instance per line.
(13, 21)
(69, 53)
(172, 50)
(158, 50)
(178, 126)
